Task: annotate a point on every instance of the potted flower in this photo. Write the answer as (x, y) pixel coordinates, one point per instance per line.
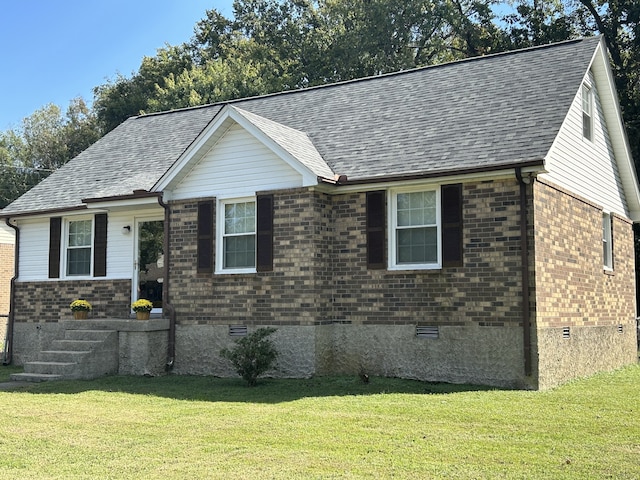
(142, 308)
(80, 309)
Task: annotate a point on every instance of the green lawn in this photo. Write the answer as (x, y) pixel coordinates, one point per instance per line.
(192, 427)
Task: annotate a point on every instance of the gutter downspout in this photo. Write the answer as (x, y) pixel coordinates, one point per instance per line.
(8, 349)
(524, 260)
(171, 346)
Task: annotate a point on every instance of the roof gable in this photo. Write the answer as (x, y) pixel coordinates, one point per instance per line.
(290, 145)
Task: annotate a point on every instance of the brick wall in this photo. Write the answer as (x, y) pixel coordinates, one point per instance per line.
(49, 301)
(572, 288)
(320, 273)
(585, 316)
(294, 293)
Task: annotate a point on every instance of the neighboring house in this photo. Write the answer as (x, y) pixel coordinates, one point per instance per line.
(467, 222)
(7, 241)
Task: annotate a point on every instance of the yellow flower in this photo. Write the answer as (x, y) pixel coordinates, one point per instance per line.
(80, 305)
(142, 305)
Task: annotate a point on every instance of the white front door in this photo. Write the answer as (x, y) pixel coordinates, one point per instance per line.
(149, 265)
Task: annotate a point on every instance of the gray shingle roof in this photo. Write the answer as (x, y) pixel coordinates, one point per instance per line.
(503, 109)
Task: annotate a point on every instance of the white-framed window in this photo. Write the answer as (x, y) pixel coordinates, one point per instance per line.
(414, 229)
(236, 236)
(587, 112)
(607, 243)
(78, 247)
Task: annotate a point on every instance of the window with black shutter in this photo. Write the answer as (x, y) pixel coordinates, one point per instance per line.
(205, 236)
(452, 225)
(100, 245)
(55, 234)
(376, 215)
(264, 231)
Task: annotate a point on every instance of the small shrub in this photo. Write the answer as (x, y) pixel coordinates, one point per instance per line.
(252, 355)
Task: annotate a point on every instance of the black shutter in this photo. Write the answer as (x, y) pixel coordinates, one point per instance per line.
(55, 232)
(205, 236)
(376, 215)
(452, 225)
(264, 233)
(100, 245)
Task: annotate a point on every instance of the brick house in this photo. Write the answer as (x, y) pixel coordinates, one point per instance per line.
(467, 222)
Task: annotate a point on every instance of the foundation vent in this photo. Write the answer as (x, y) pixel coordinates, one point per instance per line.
(427, 331)
(620, 329)
(237, 330)
(566, 332)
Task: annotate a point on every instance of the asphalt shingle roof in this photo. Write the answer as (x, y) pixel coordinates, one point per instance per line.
(483, 112)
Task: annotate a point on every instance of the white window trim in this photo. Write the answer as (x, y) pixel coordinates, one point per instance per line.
(588, 89)
(65, 247)
(607, 241)
(391, 233)
(219, 259)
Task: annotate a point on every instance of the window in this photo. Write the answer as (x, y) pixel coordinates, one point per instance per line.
(607, 244)
(79, 247)
(587, 112)
(415, 229)
(237, 250)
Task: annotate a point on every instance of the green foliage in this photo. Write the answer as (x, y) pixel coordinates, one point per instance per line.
(45, 141)
(252, 355)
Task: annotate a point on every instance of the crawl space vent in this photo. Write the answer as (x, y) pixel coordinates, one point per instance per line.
(566, 332)
(237, 330)
(427, 331)
(620, 328)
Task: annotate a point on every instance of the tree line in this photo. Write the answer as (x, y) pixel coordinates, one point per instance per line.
(275, 45)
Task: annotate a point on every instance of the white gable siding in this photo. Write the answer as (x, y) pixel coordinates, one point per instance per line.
(585, 167)
(238, 165)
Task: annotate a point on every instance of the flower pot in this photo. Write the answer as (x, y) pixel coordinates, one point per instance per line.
(80, 314)
(142, 315)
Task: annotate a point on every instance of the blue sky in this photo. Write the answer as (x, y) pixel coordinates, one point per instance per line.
(56, 50)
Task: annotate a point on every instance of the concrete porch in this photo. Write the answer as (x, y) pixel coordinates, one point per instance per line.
(86, 349)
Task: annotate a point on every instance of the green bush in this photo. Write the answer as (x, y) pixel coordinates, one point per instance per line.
(252, 355)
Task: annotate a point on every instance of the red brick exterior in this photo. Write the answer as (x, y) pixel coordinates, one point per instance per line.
(572, 287)
(49, 301)
(320, 273)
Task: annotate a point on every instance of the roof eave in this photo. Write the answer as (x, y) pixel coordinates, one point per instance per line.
(342, 180)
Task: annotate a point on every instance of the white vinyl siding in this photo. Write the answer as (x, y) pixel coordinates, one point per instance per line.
(237, 165)
(34, 250)
(6, 234)
(34, 243)
(585, 167)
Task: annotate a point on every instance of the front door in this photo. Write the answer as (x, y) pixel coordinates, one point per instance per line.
(149, 266)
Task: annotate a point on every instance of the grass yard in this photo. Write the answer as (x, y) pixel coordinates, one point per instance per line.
(323, 428)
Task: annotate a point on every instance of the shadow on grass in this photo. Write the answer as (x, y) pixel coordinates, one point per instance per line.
(212, 389)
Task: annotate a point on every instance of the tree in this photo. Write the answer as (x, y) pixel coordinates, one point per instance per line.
(45, 141)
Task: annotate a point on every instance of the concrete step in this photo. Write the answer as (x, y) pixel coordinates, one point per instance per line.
(34, 377)
(73, 356)
(88, 334)
(75, 345)
(51, 368)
